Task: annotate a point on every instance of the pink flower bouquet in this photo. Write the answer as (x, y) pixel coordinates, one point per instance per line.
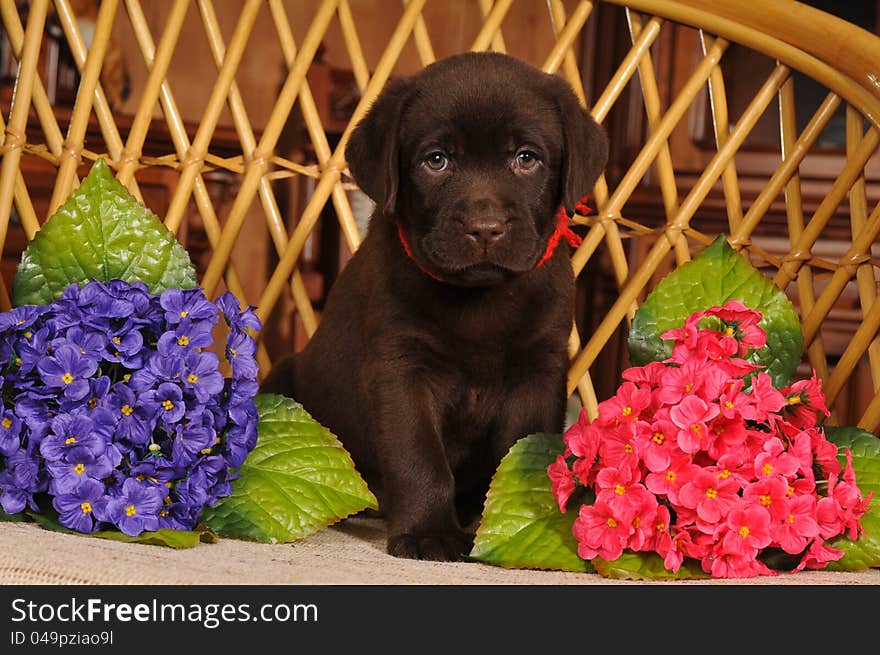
(699, 456)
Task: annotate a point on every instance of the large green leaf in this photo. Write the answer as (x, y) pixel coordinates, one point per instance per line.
(864, 553)
(101, 232)
(522, 526)
(646, 566)
(297, 480)
(718, 274)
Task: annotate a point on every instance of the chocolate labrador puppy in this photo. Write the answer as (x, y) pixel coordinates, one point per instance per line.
(443, 341)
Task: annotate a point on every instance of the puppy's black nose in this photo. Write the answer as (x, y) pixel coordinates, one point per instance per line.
(486, 231)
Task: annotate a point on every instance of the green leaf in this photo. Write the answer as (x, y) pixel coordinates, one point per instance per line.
(522, 526)
(12, 518)
(646, 566)
(297, 480)
(718, 274)
(176, 539)
(864, 553)
(101, 232)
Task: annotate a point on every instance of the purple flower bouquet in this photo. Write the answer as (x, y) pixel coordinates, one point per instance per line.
(126, 417)
(114, 406)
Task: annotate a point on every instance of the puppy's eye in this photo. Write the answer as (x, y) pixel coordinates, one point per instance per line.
(525, 160)
(437, 161)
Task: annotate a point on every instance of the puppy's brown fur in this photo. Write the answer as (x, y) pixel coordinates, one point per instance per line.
(430, 365)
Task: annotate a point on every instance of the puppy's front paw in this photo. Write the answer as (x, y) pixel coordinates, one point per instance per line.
(436, 547)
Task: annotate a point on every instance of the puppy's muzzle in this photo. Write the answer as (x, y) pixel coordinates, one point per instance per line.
(485, 232)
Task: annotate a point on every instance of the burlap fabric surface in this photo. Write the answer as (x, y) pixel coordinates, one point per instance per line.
(351, 552)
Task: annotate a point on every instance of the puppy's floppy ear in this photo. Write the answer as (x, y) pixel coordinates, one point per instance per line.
(585, 148)
(372, 150)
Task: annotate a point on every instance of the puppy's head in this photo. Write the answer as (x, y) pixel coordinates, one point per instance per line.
(472, 157)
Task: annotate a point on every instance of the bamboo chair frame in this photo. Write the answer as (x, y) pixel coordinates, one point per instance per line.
(843, 58)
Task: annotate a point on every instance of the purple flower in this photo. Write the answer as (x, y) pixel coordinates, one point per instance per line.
(114, 405)
(240, 349)
(238, 320)
(101, 303)
(185, 336)
(32, 348)
(66, 312)
(10, 433)
(93, 400)
(21, 318)
(34, 410)
(242, 435)
(136, 509)
(68, 433)
(76, 509)
(21, 479)
(80, 464)
(190, 440)
(90, 343)
(202, 376)
(156, 470)
(189, 304)
(241, 390)
(126, 347)
(12, 499)
(132, 426)
(158, 369)
(165, 402)
(68, 369)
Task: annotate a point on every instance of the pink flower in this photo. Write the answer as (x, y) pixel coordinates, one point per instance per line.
(710, 496)
(771, 494)
(656, 441)
(692, 377)
(619, 487)
(691, 415)
(849, 498)
(645, 376)
(732, 399)
(728, 439)
(685, 464)
(620, 448)
(802, 449)
(748, 530)
(669, 481)
(825, 454)
(731, 466)
(626, 405)
(765, 399)
(735, 565)
(774, 460)
(829, 516)
(585, 471)
(740, 323)
(802, 486)
(717, 347)
(601, 532)
(799, 526)
(804, 400)
(582, 438)
(660, 538)
(679, 546)
(561, 481)
(687, 335)
(644, 518)
(818, 555)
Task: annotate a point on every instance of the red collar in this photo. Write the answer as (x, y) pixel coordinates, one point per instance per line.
(562, 231)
